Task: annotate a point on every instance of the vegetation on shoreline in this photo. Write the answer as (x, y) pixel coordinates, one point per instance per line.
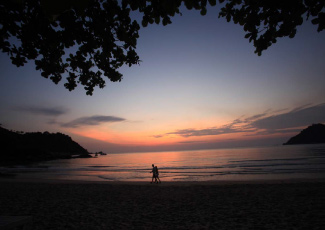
(20, 147)
(314, 134)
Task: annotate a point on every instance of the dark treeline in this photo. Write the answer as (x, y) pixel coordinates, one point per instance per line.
(19, 147)
(314, 134)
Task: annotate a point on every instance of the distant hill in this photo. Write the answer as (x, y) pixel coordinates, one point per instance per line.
(314, 134)
(22, 147)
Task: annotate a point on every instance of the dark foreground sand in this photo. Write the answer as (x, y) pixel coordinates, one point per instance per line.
(206, 205)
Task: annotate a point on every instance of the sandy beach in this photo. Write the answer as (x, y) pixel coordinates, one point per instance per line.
(187, 205)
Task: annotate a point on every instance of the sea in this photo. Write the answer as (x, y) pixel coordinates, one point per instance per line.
(231, 164)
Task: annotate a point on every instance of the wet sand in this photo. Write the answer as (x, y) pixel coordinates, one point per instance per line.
(294, 204)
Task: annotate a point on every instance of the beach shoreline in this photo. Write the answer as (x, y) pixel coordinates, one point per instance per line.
(62, 204)
(164, 183)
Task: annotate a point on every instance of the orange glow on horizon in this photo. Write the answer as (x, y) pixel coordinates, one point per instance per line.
(147, 139)
(152, 134)
(161, 134)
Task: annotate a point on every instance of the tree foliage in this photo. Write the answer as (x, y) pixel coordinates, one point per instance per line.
(267, 20)
(102, 34)
(85, 39)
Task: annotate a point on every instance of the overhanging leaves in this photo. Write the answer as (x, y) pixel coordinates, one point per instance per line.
(85, 40)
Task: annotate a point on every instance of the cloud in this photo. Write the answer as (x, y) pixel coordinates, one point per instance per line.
(264, 123)
(92, 121)
(255, 117)
(301, 116)
(157, 136)
(191, 142)
(53, 122)
(277, 131)
(45, 111)
(206, 132)
(301, 107)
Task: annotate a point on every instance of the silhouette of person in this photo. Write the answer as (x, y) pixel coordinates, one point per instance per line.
(153, 171)
(157, 175)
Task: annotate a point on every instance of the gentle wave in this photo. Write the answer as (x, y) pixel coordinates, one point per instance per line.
(231, 164)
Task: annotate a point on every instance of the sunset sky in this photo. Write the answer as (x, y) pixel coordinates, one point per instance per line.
(199, 85)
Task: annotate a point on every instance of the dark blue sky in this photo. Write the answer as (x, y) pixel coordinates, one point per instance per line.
(198, 76)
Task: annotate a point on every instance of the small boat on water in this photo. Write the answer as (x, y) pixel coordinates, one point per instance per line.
(99, 153)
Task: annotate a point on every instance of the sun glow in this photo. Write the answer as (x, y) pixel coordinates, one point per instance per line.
(155, 135)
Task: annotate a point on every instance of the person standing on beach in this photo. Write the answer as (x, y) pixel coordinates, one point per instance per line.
(153, 171)
(157, 175)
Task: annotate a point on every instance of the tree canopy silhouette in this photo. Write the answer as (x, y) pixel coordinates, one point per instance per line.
(83, 40)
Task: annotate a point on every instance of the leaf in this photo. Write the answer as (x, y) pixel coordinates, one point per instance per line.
(157, 20)
(248, 35)
(144, 23)
(293, 33)
(212, 2)
(228, 17)
(203, 11)
(315, 21)
(188, 4)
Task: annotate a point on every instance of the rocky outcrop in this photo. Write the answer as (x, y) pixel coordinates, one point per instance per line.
(30, 147)
(314, 134)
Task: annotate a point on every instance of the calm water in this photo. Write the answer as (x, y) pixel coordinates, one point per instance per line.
(281, 162)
